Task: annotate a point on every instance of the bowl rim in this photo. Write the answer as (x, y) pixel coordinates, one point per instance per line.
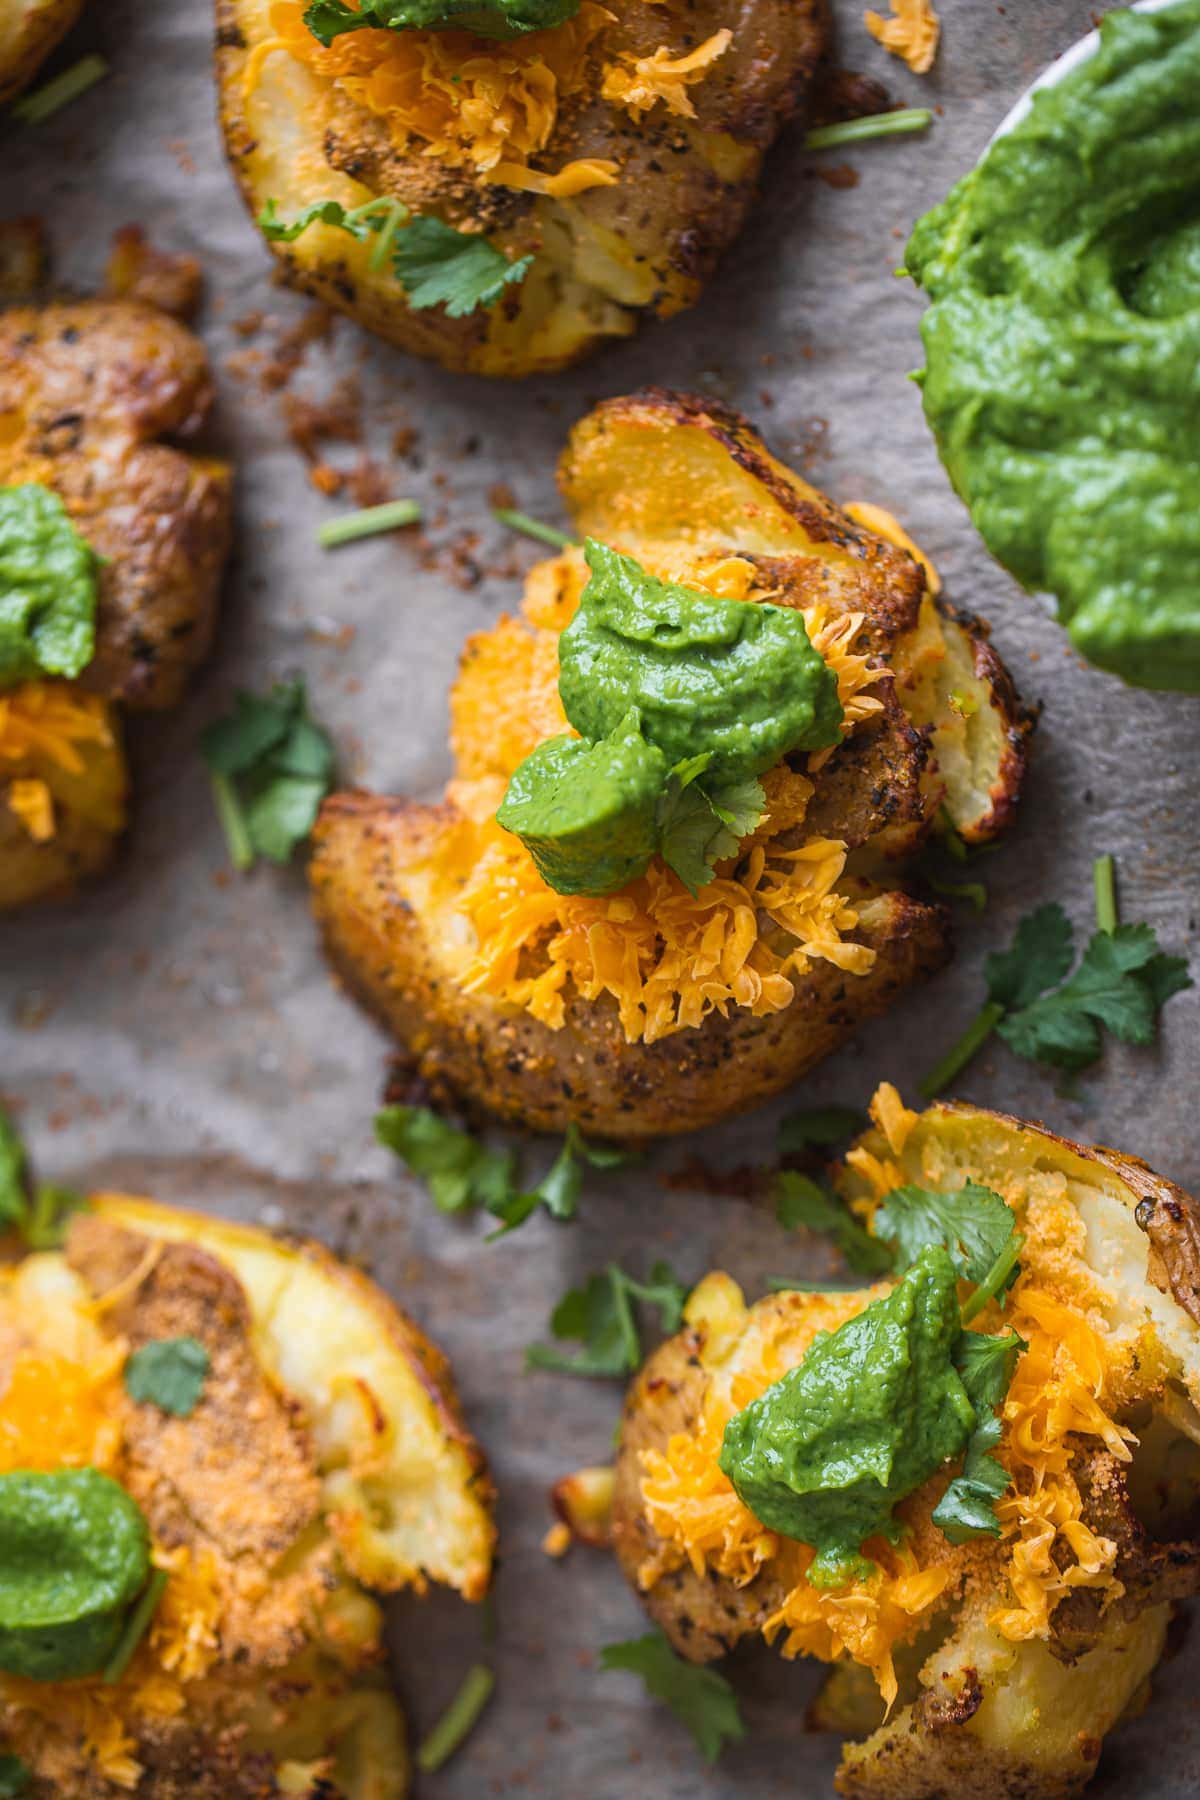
(1064, 64)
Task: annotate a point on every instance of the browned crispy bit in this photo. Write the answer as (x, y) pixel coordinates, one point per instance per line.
(137, 271)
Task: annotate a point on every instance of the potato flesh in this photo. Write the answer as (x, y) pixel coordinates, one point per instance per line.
(401, 1490)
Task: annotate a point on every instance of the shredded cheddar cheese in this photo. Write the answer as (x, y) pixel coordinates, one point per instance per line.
(464, 101)
(912, 32)
(669, 959)
(638, 83)
(1063, 1399)
(33, 804)
(58, 746)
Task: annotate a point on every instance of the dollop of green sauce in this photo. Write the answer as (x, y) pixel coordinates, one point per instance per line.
(1063, 346)
(588, 813)
(659, 679)
(47, 588)
(327, 19)
(736, 681)
(869, 1413)
(74, 1554)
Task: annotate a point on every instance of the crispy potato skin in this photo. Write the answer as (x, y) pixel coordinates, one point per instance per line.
(606, 258)
(29, 31)
(1104, 1655)
(663, 473)
(472, 1051)
(94, 386)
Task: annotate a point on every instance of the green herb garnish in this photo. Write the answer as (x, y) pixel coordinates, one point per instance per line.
(271, 768)
(136, 1627)
(435, 264)
(369, 522)
(15, 1777)
(1122, 982)
(601, 1317)
(48, 588)
(533, 528)
(799, 1200)
(462, 1173)
(38, 1213)
(973, 1226)
(36, 107)
(701, 1699)
(818, 1128)
(458, 1720)
(168, 1373)
(967, 1509)
(872, 125)
(327, 19)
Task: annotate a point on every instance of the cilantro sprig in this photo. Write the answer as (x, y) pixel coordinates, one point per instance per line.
(699, 825)
(1052, 1016)
(462, 1173)
(701, 1699)
(985, 1365)
(435, 264)
(799, 1200)
(271, 767)
(39, 1212)
(600, 1315)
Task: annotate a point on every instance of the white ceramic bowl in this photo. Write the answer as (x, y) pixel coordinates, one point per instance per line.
(1070, 59)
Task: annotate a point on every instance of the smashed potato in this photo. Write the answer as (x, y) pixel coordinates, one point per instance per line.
(325, 1455)
(620, 150)
(993, 1666)
(89, 392)
(629, 1023)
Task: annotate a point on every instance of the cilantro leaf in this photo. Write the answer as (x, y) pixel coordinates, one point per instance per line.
(699, 1697)
(801, 1201)
(818, 1127)
(439, 266)
(1038, 958)
(40, 1219)
(600, 1316)
(271, 768)
(435, 264)
(974, 1226)
(1116, 986)
(967, 1508)
(327, 19)
(15, 1777)
(698, 827)
(168, 1373)
(459, 1171)
(560, 1187)
(14, 1207)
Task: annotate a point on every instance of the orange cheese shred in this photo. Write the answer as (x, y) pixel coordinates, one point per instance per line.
(639, 82)
(912, 32)
(33, 804)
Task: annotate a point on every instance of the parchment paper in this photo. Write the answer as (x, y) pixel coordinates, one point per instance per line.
(175, 1031)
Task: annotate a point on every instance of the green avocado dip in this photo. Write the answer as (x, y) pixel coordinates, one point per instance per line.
(872, 1410)
(47, 588)
(681, 700)
(74, 1554)
(327, 19)
(1062, 377)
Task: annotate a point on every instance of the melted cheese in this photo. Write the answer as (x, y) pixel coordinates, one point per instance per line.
(1067, 1386)
(465, 101)
(912, 32)
(639, 83)
(668, 958)
(51, 735)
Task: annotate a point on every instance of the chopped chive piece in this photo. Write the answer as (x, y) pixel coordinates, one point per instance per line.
(960, 1054)
(388, 517)
(534, 528)
(853, 131)
(233, 822)
(45, 101)
(136, 1627)
(949, 836)
(972, 891)
(1104, 883)
(458, 1720)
